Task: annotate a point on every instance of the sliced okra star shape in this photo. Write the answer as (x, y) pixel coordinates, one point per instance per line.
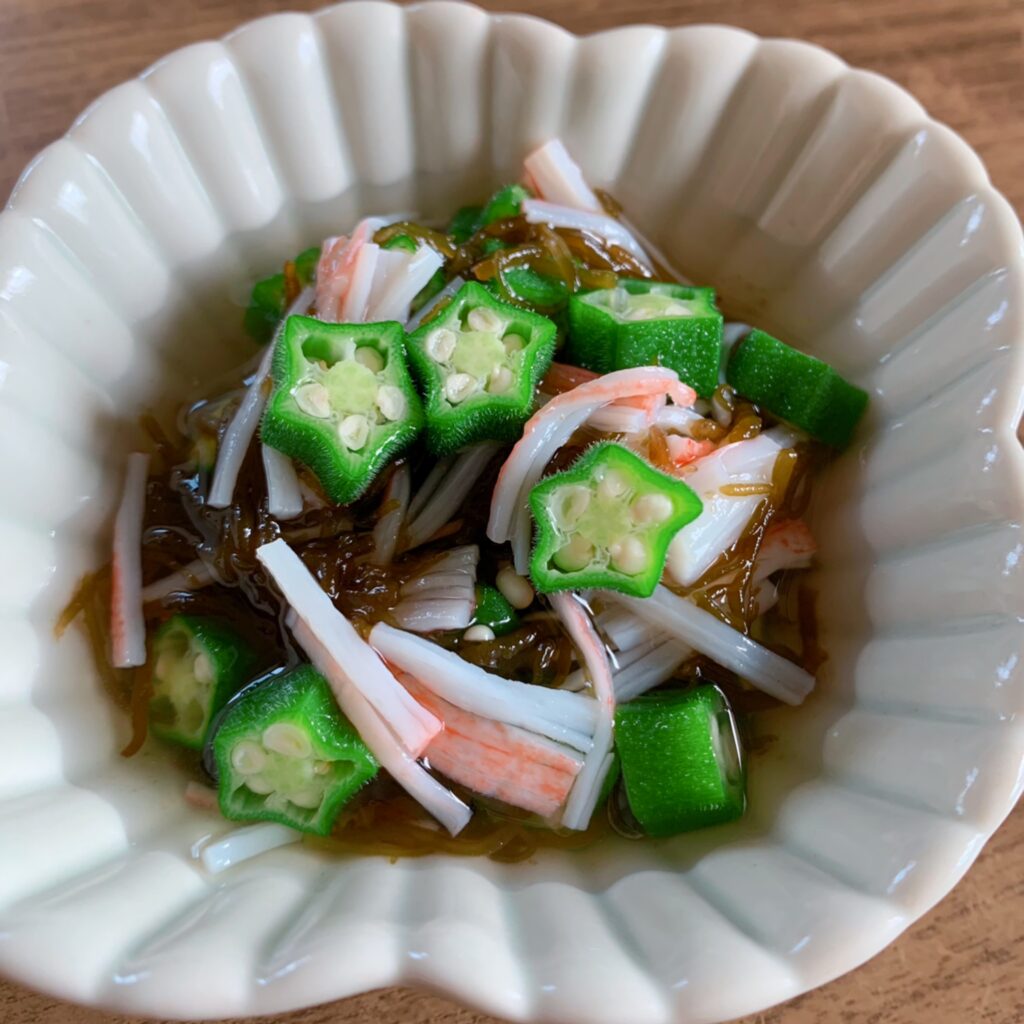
(343, 401)
(285, 753)
(198, 665)
(648, 323)
(607, 522)
(479, 364)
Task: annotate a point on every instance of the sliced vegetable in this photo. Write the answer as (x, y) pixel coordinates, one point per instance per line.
(681, 761)
(796, 388)
(506, 202)
(343, 401)
(285, 753)
(551, 427)
(269, 298)
(464, 223)
(528, 287)
(648, 323)
(479, 362)
(199, 663)
(494, 611)
(606, 523)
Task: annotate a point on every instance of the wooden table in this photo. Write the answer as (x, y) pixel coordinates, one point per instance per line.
(964, 59)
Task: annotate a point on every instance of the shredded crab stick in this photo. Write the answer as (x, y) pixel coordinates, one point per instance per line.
(710, 636)
(391, 516)
(394, 758)
(550, 428)
(569, 718)
(587, 791)
(724, 517)
(242, 427)
(244, 844)
(284, 496)
(450, 289)
(127, 624)
(405, 283)
(537, 211)
(193, 576)
(683, 451)
(414, 726)
(555, 176)
(448, 491)
(498, 760)
(787, 544)
(336, 268)
(438, 599)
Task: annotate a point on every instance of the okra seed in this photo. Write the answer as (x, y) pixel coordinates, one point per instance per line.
(479, 632)
(651, 509)
(577, 554)
(260, 785)
(321, 768)
(309, 797)
(370, 358)
(484, 319)
(573, 501)
(514, 588)
(164, 666)
(353, 431)
(677, 309)
(628, 556)
(248, 758)
(500, 380)
(287, 740)
(313, 400)
(458, 387)
(514, 343)
(441, 344)
(391, 402)
(202, 669)
(611, 486)
(642, 313)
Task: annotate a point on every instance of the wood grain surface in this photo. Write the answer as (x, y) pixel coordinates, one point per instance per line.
(964, 962)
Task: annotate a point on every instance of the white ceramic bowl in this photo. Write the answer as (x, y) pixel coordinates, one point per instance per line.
(825, 205)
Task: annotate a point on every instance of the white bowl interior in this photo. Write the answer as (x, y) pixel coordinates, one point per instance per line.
(824, 205)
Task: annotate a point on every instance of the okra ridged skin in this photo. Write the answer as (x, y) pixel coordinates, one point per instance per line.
(606, 523)
(681, 764)
(344, 473)
(229, 663)
(268, 302)
(299, 700)
(796, 388)
(601, 341)
(484, 414)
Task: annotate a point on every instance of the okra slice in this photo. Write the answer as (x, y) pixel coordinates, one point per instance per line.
(494, 610)
(506, 202)
(606, 522)
(479, 363)
(648, 323)
(796, 388)
(268, 304)
(464, 223)
(198, 665)
(343, 402)
(285, 753)
(682, 765)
